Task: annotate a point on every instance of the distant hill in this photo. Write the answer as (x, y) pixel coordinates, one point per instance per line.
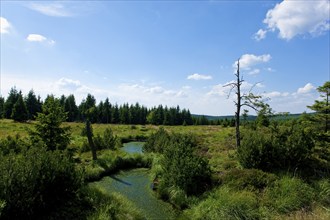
(250, 117)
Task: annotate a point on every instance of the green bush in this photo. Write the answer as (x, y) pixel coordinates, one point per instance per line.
(183, 168)
(107, 141)
(287, 195)
(12, 145)
(35, 182)
(250, 179)
(157, 142)
(225, 203)
(285, 148)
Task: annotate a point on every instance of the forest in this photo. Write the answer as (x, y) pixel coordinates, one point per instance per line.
(53, 153)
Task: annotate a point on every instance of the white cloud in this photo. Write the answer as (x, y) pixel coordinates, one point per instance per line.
(254, 72)
(51, 9)
(292, 18)
(155, 90)
(4, 25)
(248, 60)
(36, 38)
(68, 84)
(261, 34)
(39, 38)
(275, 94)
(197, 76)
(306, 89)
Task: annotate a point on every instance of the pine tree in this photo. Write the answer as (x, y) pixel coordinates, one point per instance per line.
(19, 112)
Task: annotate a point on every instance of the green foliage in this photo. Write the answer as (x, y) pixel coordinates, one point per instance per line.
(107, 141)
(322, 108)
(250, 179)
(288, 147)
(183, 168)
(12, 145)
(48, 130)
(19, 112)
(323, 189)
(2, 107)
(36, 181)
(33, 105)
(10, 102)
(157, 142)
(112, 161)
(288, 194)
(263, 116)
(225, 203)
(108, 207)
(71, 108)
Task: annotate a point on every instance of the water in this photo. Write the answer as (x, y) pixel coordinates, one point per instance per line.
(133, 147)
(136, 186)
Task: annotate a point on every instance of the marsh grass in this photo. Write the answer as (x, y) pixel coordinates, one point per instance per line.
(110, 162)
(110, 206)
(226, 203)
(287, 195)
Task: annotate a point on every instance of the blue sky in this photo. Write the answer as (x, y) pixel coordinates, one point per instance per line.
(167, 52)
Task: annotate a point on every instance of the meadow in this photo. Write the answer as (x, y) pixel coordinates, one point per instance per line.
(236, 192)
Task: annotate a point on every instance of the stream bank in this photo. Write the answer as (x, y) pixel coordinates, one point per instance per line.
(135, 185)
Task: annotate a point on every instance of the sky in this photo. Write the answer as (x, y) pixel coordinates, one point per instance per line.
(168, 52)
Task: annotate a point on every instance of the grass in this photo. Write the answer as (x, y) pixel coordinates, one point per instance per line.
(217, 143)
(238, 193)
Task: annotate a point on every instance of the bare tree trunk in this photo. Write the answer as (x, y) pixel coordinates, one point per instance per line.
(90, 139)
(238, 107)
(327, 112)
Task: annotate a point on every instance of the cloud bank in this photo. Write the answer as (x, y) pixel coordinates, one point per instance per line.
(292, 18)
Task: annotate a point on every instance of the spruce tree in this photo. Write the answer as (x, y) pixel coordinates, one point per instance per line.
(19, 112)
(48, 129)
(2, 107)
(33, 105)
(10, 102)
(322, 108)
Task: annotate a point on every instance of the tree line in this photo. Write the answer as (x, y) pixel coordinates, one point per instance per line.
(23, 108)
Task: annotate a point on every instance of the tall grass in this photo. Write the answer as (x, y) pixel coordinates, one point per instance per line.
(112, 161)
(288, 194)
(110, 206)
(226, 203)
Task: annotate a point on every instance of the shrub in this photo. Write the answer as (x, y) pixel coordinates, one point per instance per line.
(285, 148)
(157, 142)
(183, 168)
(12, 145)
(107, 141)
(250, 179)
(287, 195)
(36, 182)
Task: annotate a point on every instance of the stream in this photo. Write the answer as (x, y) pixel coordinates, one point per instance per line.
(135, 185)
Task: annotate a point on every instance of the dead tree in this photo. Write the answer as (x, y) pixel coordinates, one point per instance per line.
(89, 134)
(245, 99)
